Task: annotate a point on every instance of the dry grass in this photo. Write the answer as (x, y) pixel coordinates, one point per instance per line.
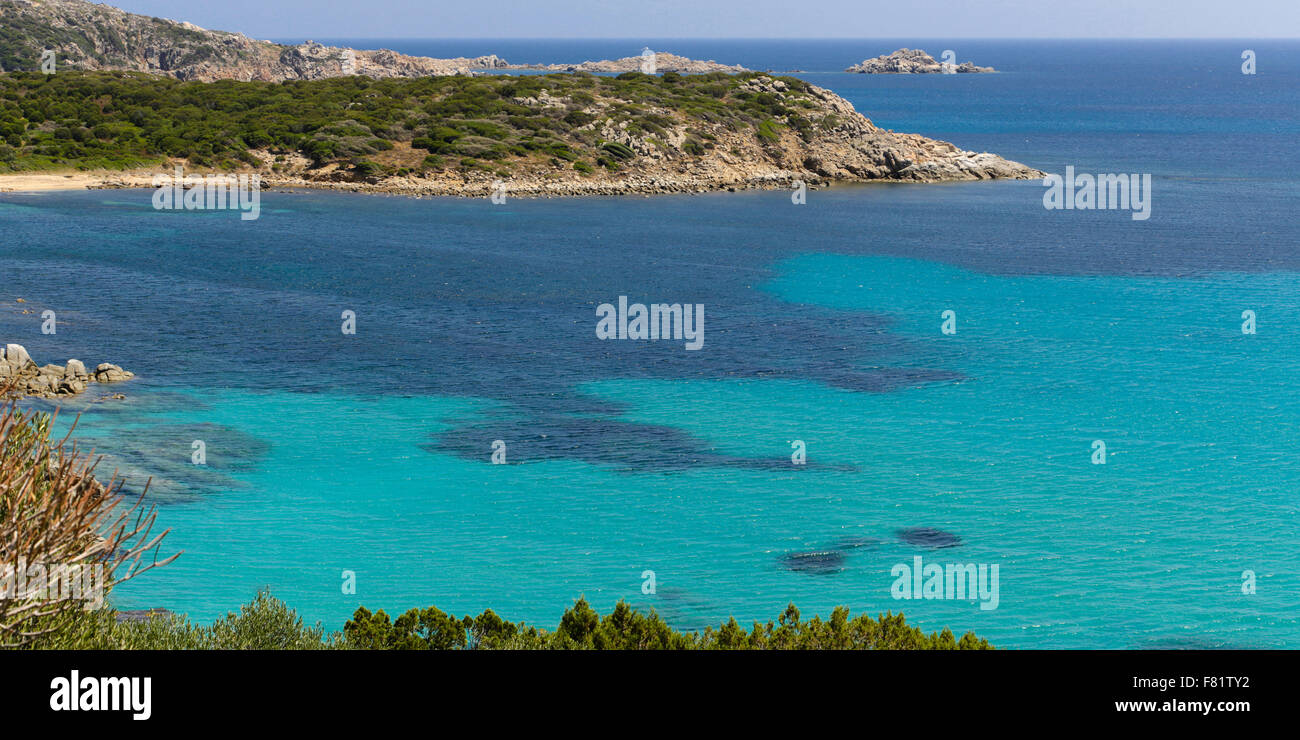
(55, 514)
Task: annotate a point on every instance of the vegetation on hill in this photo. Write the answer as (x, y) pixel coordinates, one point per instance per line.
(119, 120)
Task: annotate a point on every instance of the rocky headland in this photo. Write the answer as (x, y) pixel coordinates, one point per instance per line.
(911, 62)
(435, 127)
(20, 374)
(585, 135)
(89, 36)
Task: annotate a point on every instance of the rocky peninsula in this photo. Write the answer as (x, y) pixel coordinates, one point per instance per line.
(550, 135)
(23, 377)
(911, 62)
(428, 126)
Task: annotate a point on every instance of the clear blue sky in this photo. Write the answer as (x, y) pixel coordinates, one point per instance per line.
(738, 18)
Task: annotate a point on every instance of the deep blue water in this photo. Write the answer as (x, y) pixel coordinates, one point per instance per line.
(371, 453)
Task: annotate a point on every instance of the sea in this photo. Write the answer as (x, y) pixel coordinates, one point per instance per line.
(1103, 410)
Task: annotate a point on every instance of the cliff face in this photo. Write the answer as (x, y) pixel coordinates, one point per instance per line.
(98, 37)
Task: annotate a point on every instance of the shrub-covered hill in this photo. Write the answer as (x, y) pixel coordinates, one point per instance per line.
(533, 131)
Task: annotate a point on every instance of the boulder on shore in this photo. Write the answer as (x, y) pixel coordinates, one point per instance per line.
(16, 356)
(107, 373)
(21, 375)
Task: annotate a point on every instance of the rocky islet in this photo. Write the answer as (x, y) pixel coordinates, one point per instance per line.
(911, 62)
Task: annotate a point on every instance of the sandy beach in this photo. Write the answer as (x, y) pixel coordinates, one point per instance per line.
(32, 182)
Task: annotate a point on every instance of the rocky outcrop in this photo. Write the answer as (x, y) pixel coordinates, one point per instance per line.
(88, 36)
(912, 61)
(20, 374)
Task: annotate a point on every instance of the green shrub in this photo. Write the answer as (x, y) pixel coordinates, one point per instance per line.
(625, 628)
(618, 150)
(364, 169)
(767, 131)
(266, 623)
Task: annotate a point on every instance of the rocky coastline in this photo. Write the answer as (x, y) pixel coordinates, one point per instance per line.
(20, 374)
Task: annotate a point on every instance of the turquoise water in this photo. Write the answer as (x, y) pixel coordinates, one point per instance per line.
(1140, 551)
(371, 453)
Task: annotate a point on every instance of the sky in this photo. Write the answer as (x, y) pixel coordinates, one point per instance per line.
(294, 19)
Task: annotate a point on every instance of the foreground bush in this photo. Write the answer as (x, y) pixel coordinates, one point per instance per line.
(65, 538)
(624, 628)
(267, 623)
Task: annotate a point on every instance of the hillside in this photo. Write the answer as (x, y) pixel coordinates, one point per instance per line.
(555, 133)
(87, 36)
